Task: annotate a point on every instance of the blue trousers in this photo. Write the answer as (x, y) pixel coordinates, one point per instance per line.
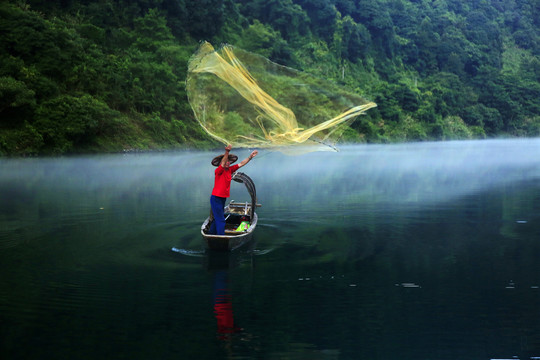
(218, 225)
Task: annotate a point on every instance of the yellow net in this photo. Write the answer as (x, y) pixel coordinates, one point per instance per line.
(225, 90)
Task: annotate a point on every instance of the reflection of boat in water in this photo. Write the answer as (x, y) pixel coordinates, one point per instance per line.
(223, 306)
(240, 220)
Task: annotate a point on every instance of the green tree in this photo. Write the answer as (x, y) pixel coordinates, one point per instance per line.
(282, 15)
(67, 122)
(323, 16)
(152, 31)
(205, 18)
(14, 96)
(375, 16)
(354, 39)
(427, 53)
(263, 40)
(480, 115)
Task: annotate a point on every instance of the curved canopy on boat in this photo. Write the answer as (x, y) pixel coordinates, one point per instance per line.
(240, 177)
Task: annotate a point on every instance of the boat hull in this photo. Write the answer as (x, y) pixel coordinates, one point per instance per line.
(227, 242)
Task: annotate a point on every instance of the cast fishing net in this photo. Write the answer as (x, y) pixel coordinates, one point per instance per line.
(246, 100)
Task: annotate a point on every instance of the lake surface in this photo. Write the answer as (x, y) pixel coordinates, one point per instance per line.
(415, 251)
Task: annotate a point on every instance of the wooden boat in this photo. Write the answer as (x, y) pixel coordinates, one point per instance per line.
(235, 214)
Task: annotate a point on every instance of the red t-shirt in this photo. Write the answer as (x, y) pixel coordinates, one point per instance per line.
(222, 182)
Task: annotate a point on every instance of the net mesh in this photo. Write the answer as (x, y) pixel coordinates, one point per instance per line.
(246, 100)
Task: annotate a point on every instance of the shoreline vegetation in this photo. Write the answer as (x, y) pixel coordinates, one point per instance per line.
(80, 76)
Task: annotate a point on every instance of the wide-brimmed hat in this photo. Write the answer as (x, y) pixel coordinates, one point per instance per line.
(217, 160)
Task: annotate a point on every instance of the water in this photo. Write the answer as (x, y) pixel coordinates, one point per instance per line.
(417, 251)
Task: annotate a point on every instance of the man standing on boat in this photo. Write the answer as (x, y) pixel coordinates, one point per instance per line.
(222, 186)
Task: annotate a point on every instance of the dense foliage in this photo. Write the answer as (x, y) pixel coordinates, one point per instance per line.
(81, 75)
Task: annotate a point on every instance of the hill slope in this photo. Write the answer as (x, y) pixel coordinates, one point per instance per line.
(109, 75)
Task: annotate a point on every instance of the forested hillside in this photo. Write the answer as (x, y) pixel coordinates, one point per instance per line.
(80, 76)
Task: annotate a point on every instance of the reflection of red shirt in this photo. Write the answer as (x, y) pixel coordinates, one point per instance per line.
(222, 182)
(224, 315)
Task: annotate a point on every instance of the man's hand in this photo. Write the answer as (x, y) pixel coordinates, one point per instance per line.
(248, 159)
(225, 158)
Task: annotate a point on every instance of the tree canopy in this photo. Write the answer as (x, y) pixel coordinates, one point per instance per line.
(81, 75)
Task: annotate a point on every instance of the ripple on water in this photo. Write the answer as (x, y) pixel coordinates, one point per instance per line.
(186, 252)
(13, 233)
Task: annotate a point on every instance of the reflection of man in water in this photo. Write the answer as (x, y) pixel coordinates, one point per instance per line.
(223, 306)
(222, 186)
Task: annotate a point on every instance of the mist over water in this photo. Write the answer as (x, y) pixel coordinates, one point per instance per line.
(424, 172)
(425, 250)
(419, 172)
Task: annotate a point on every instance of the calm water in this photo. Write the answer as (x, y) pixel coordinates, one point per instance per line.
(418, 251)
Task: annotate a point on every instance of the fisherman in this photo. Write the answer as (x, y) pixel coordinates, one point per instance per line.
(222, 186)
